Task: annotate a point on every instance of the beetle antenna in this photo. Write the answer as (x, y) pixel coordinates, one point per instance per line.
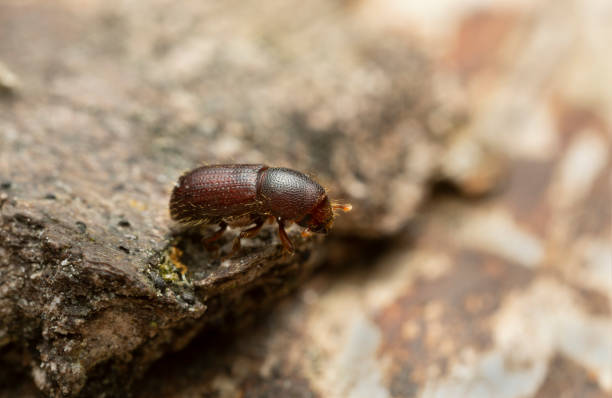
(345, 207)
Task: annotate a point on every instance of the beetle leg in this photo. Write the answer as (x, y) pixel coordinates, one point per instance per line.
(287, 245)
(247, 233)
(208, 242)
(216, 235)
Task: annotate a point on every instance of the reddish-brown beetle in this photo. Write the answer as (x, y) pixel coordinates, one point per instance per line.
(244, 194)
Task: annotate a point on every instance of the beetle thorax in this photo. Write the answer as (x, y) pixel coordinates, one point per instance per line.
(287, 193)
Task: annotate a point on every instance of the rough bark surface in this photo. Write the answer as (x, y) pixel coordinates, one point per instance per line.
(506, 296)
(103, 104)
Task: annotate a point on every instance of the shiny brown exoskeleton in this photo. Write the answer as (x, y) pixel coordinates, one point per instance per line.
(244, 194)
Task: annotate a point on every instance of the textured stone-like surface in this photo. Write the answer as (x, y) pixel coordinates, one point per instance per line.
(105, 103)
(504, 296)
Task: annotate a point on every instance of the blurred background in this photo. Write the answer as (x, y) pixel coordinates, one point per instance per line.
(472, 137)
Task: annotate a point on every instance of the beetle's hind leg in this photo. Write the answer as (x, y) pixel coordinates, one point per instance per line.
(209, 241)
(246, 233)
(217, 235)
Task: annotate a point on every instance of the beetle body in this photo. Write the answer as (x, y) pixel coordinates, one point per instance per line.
(242, 194)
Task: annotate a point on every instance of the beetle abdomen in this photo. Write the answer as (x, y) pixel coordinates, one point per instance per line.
(210, 194)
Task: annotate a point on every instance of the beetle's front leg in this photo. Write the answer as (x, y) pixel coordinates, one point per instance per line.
(287, 245)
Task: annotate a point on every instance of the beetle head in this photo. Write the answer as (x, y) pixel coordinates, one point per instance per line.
(320, 218)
